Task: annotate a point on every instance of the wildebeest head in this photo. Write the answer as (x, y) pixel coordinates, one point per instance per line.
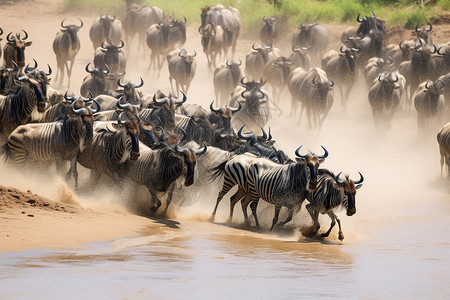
(224, 114)
(225, 139)
(40, 76)
(71, 30)
(349, 188)
(204, 15)
(251, 137)
(82, 107)
(304, 34)
(190, 160)
(167, 106)
(208, 32)
(263, 51)
(188, 59)
(423, 33)
(18, 44)
(369, 23)
(351, 55)
(37, 86)
(113, 50)
(166, 27)
(312, 162)
(436, 87)
(130, 122)
(107, 21)
(300, 57)
(130, 94)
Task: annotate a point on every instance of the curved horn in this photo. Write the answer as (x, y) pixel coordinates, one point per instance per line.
(122, 106)
(179, 102)
(417, 28)
(361, 179)
(160, 101)
(358, 19)
(297, 152)
(9, 38)
(242, 81)
(119, 83)
(62, 24)
(121, 45)
(28, 69)
(374, 15)
(119, 119)
(81, 23)
(90, 71)
(264, 136)
(325, 153)
(1, 31)
(314, 81)
(438, 51)
(98, 109)
(26, 35)
(431, 27)
(49, 71)
(201, 150)
(340, 49)
(235, 109)
(270, 136)
(426, 85)
(200, 29)
(71, 98)
(140, 84)
(228, 64)
(216, 110)
(16, 67)
(337, 178)
(245, 136)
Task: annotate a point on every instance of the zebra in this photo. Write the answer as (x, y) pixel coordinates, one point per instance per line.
(331, 193)
(283, 185)
(56, 141)
(159, 168)
(113, 143)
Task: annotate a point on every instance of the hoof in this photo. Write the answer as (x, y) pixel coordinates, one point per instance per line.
(154, 208)
(324, 235)
(341, 237)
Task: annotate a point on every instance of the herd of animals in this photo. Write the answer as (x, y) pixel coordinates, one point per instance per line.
(160, 140)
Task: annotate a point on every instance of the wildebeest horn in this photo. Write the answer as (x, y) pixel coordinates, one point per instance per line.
(181, 150)
(438, 51)
(270, 136)
(119, 119)
(431, 27)
(26, 35)
(81, 23)
(106, 72)
(426, 84)
(179, 102)
(195, 54)
(160, 101)
(245, 136)
(1, 31)
(337, 178)
(374, 15)
(62, 24)
(325, 154)
(49, 70)
(119, 83)
(242, 81)
(201, 150)
(87, 68)
(358, 19)
(342, 47)
(264, 136)
(297, 152)
(122, 106)
(331, 82)
(361, 179)
(200, 29)
(140, 84)
(434, 49)
(121, 45)
(396, 77)
(9, 38)
(216, 110)
(97, 104)
(71, 98)
(235, 109)
(253, 47)
(314, 81)
(22, 78)
(16, 67)
(28, 69)
(242, 94)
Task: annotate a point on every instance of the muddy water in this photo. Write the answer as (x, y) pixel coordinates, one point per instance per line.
(397, 245)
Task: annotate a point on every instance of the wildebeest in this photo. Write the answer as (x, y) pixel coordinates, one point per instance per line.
(14, 50)
(95, 82)
(221, 116)
(424, 33)
(312, 36)
(341, 67)
(428, 104)
(138, 19)
(330, 194)
(443, 138)
(226, 78)
(370, 23)
(313, 90)
(374, 67)
(114, 57)
(66, 46)
(384, 97)
(182, 67)
(106, 29)
(277, 72)
(229, 18)
(162, 38)
(256, 60)
(213, 42)
(158, 169)
(269, 30)
(300, 58)
(16, 109)
(57, 142)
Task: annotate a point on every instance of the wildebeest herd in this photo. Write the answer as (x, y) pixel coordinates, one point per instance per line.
(158, 140)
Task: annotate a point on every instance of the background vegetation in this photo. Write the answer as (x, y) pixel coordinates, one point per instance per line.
(395, 12)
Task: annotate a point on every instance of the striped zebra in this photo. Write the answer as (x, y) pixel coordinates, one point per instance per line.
(283, 185)
(159, 168)
(53, 142)
(331, 193)
(16, 109)
(113, 143)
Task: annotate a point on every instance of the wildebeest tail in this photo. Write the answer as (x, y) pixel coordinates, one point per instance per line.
(217, 171)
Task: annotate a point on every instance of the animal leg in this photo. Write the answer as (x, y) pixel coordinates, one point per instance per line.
(253, 206)
(289, 218)
(169, 198)
(155, 200)
(233, 200)
(340, 235)
(275, 217)
(314, 213)
(222, 193)
(333, 222)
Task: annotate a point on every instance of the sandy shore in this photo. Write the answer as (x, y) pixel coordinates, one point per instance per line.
(29, 221)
